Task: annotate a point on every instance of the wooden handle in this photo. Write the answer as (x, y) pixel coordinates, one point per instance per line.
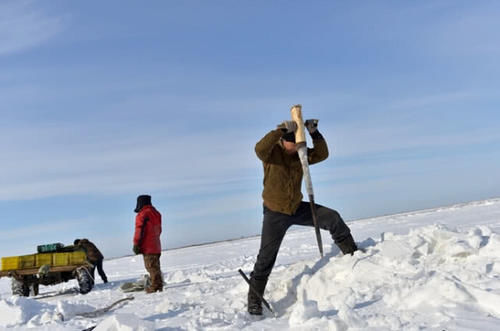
(300, 134)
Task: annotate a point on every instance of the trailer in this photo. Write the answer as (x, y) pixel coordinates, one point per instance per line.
(52, 264)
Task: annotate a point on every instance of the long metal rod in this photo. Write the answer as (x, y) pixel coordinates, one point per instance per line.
(300, 140)
(316, 225)
(302, 151)
(268, 306)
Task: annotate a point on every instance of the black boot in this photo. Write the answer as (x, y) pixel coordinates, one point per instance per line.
(254, 302)
(347, 245)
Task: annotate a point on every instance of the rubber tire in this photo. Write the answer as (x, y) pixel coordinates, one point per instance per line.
(85, 282)
(20, 288)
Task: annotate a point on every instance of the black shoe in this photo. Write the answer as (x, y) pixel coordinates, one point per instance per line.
(254, 301)
(255, 308)
(347, 246)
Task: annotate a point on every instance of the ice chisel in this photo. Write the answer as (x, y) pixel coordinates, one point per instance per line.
(300, 141)
(268, 306)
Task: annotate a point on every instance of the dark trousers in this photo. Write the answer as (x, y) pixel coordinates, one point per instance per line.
(276, 224)
(100, 270)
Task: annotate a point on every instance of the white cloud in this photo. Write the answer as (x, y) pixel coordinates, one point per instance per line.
(411, 123)
(100, 159)
(40, 230)
(216, 206)
(60, 160)
(351, 141)
(50, 162)
(23, 26)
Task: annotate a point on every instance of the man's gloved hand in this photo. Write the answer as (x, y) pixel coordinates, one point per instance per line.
(288, 126)
(311, 125)
(136, 250)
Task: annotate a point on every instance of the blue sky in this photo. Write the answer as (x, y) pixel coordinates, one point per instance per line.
(102, 101)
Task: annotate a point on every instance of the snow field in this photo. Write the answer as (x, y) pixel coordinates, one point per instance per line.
(435, 269)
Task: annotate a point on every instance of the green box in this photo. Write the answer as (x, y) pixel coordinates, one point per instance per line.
(49, 248)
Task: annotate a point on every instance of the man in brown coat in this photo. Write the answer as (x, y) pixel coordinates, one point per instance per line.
(283, 205)
(94, 256)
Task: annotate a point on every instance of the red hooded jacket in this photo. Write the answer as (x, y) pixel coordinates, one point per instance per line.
(148, 230)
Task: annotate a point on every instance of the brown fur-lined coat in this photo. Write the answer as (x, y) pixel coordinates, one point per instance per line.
(283, 172)
(93, 253)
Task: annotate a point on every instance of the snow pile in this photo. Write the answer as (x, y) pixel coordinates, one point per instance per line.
(125, 322)
(20, 310)
(181, 277)
(428, 278)
(68, 310)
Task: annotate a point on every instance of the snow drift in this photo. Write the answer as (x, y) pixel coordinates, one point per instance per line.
(431, 277)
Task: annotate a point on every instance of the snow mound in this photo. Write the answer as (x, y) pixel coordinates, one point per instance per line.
(429, 276)
(19, 310)
(69, 310)
(185, 277)
(125, 322)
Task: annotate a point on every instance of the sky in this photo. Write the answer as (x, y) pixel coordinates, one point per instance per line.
(103, 101)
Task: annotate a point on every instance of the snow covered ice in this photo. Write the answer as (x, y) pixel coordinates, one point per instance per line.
(435, 269)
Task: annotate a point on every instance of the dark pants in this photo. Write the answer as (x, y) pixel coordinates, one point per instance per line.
(152, 264)
(100, 270)
(276, 224)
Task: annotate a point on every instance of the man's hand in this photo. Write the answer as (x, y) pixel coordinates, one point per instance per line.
(288, 126)
(136, 250)
(311, 125)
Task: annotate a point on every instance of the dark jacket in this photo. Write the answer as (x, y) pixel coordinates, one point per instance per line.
(93, 253)
(148, 230)
(283, 172)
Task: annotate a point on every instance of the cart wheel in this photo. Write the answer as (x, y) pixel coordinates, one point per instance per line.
(20, 288)
(84, 279)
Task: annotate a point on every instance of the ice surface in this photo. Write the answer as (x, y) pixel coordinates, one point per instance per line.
(433, 269)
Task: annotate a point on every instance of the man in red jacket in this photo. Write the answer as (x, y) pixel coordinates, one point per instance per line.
(147, 240)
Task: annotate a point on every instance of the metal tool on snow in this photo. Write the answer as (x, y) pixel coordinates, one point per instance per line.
(266, 304)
